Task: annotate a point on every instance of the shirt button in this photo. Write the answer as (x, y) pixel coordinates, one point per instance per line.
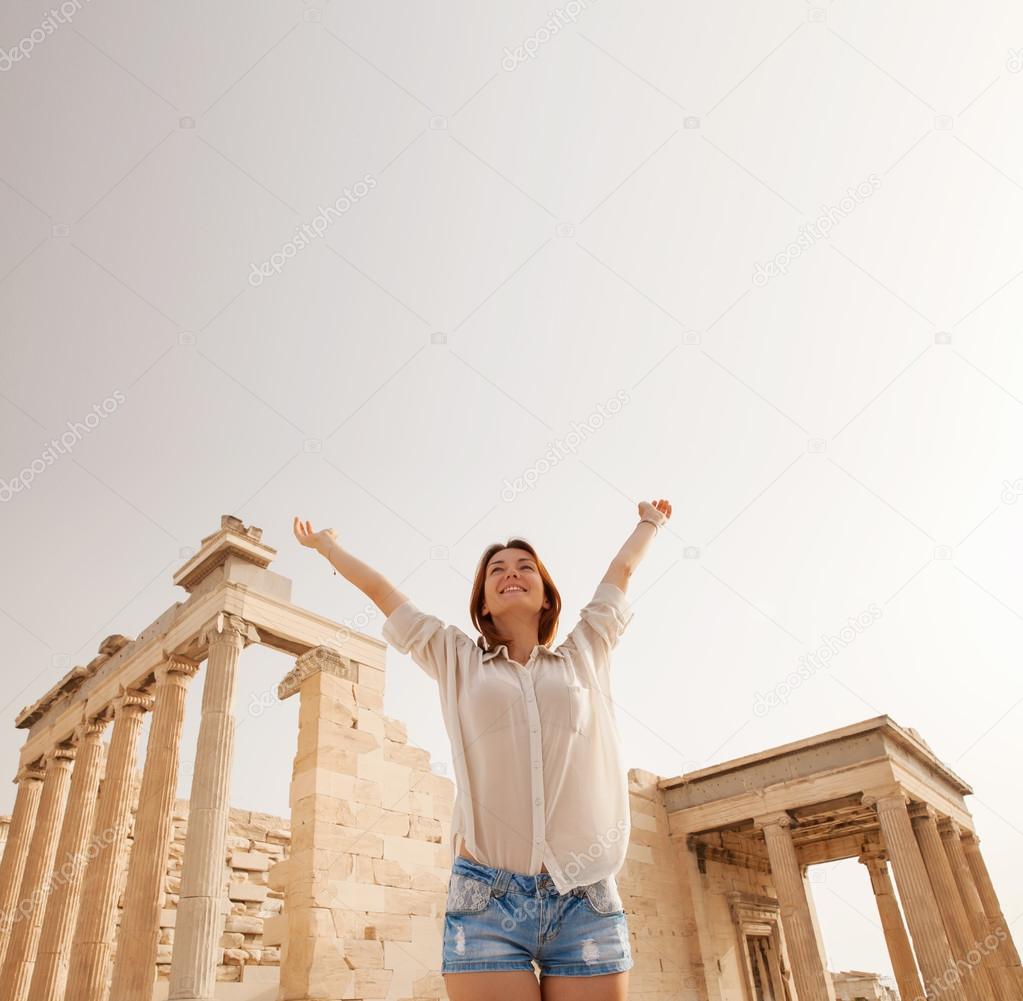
(537, 802)
(539, 841)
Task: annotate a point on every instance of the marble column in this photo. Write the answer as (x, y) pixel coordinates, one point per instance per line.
(975, 980)
(933, 953)
(26, 803)
(992, 907)
(35, 885)
(992, 934)
(797, 924)
(135, 960)
(73, 852)
(897, 939)
(94, 932)
(200, 913)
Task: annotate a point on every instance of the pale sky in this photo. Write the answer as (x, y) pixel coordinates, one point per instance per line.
(535, 228)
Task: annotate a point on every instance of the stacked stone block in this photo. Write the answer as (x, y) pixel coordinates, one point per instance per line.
(365, 884)
(256, 842)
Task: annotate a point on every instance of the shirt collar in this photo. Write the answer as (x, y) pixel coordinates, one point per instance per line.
(494, 651)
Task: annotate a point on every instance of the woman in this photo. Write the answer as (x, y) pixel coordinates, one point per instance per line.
(541, 817)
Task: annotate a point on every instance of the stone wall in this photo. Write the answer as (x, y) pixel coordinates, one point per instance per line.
(655, 887)
(255, 842)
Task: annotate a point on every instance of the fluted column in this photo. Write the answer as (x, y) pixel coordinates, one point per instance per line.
(200, 918)
(899, 949)
(26, 804)
(997, 946)
(992, 907)
(135, 959)
(73, 852)
(797, 924)
(94, 931)
(35, 885)
(975, 979)
(933, 953)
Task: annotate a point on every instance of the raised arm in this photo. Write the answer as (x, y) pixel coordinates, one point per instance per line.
(372, 583)
(651, 517)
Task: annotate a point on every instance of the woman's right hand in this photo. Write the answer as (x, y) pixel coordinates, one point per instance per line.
(314, 540)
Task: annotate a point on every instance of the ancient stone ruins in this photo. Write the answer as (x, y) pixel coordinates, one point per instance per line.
(110, 887)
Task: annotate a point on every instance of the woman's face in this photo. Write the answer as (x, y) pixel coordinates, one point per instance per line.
(512, 583)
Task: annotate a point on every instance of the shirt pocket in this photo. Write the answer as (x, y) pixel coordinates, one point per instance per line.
(580, 709)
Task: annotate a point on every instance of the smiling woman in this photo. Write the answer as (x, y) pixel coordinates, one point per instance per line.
(531, 850)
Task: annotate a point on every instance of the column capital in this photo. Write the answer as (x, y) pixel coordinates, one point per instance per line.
(226, 627)
(176, 663)
(63, 751)
(885, 797)
(318, 660)
(873, 857)
(132, 700)
(951, 828)
(30, 773)
(91, 726)
(919, 810)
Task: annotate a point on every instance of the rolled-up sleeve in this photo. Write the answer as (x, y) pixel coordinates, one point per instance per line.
(430, 643)
(603, 620)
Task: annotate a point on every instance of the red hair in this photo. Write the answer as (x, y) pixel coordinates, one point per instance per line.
(548, 626)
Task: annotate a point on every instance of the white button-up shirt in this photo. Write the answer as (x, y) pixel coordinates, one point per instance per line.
(537, 754)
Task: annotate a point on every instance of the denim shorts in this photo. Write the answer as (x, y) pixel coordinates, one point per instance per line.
(496, 919)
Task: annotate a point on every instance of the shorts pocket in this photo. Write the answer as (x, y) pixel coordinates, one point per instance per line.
(467, 895)
(579, 708)
(603, 897)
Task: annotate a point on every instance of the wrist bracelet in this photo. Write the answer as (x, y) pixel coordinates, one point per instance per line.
(657, 527)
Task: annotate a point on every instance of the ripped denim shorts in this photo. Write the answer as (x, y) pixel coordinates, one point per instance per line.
(496, 919)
